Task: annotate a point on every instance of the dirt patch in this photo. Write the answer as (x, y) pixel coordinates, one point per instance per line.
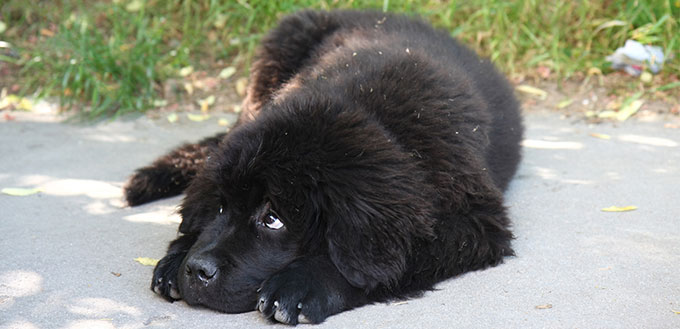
(584, 99)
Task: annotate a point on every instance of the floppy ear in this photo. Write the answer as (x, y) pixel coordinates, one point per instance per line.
(369, 237)
(199, 207)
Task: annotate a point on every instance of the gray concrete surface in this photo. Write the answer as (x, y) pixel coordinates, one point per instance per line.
(576, 267)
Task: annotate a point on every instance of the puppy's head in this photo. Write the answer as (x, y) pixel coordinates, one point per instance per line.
(305, 178)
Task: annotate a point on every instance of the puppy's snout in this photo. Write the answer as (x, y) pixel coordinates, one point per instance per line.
(203, 268)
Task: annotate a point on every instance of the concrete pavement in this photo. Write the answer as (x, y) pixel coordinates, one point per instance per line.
(67, 253)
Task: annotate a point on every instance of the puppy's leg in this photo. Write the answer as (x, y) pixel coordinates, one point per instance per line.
(164, 280)
(170, 174)
(307, 291)
(282, 54)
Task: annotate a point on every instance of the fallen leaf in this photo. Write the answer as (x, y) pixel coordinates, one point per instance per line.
(629, 109)
(676, 312)
(134, 5)
(542, 94)
(544, 306)
(227, 72)
(189, 88)
(241, 85)
(606, 114)
(25, 104)
(46, 33)
(237, 109)
(172, 117)
(619, 209)
(564, 103)
(206, 103)
(186, 71)
(14, 101)
(17, 191)
(160, 102)
(601, 136)
(223, 122)
(594, 71)
(116, 274)
(146, 261)
(197, 117)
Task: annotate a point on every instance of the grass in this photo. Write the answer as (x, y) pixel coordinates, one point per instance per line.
(114, 56)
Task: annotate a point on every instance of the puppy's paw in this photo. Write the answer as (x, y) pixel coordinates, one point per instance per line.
(164, 280)
(295, 295)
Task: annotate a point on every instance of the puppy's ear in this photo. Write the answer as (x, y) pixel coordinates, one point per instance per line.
(369, 238)
(199, 207)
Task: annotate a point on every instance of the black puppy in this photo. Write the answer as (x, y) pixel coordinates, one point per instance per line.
(368, 164)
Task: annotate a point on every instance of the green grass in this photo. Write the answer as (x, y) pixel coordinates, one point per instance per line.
(113, 56)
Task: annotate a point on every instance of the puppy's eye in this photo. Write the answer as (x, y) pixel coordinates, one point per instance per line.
(272, 221)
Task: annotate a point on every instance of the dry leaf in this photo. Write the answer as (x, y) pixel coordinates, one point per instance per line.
(189, 88)
(172, 117)
(605, 114)
(619, 209)
(197, 117)
(17, 191)
(116, 274)
(223, 122)
(544, 306)
(46, 33)
(564, 103)
(594, 71)
(542, 94)
(227, 72)
(160, 103)
(676, 312)
(601, 136)
(134, 5)
(241, 85)
(186, 71)
(646, 77)
(206, 103)
(146, 261)
(629, 109)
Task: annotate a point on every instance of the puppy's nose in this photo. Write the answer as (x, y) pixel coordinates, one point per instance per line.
(202, 267)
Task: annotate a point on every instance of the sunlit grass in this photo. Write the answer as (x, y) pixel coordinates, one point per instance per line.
(113, 56)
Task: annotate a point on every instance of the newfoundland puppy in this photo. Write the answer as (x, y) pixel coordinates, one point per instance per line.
(368, 164)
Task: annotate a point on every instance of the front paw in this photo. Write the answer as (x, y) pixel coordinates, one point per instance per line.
(292, 297)
(307, 291)
(164, 280)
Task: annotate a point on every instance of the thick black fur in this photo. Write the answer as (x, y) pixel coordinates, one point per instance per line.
(381, 144)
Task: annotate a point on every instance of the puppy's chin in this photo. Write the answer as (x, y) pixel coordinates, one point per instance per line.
(221, 301)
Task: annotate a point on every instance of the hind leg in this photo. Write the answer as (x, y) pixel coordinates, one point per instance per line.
(281, 55)
(170, 174)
